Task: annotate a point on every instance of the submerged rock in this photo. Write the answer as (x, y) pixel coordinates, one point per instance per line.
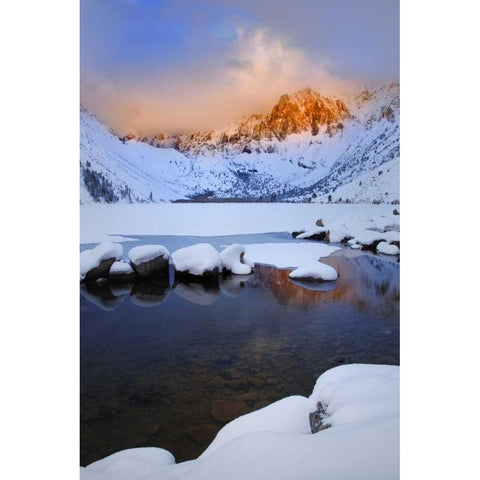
(226, 410)
(203, 434)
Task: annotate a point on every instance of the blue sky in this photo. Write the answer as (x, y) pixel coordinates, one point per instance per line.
(152, 65)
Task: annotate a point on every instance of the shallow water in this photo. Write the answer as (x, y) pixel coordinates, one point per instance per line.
(155, 358)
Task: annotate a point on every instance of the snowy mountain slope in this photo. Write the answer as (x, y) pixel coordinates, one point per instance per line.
(306, 147)
(379, 185)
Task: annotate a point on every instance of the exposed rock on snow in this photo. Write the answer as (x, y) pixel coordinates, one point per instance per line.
(200, 260)
(233, 260)
(96, 263)
(121, 272)
(387, 249)
(314, 272)
(148, 260)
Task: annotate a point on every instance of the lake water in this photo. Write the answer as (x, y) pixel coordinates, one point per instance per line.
(167, 364)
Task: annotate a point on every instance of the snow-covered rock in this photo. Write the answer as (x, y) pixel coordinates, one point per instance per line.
(121, 272)
(314, 272)
(369, 237)
(316, 234)
(232, 259)
(148, 260)
(96, 263)
(387, 249)
(200, 260)
(338, 236)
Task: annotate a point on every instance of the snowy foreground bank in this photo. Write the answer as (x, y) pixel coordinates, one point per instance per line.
(101, 222)
(361, 405)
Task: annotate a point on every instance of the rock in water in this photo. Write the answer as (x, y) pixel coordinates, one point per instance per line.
(96, 263)
(121, 272)
(148, 260)
(200, 260)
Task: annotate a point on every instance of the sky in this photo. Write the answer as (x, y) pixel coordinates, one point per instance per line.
(173, 66)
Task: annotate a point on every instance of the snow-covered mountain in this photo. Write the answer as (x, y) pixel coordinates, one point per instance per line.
(306, 148)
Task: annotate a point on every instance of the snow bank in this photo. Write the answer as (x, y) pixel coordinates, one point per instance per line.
(145, 253)
(289, 415)
(91, 259)
(358, 393)
(275, 443)
(232, 258)
(315, 271)
(129, 464)
(387, 249)
(198, 259)
(287, 255)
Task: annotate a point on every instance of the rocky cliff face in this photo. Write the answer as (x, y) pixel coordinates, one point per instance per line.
(304, 111)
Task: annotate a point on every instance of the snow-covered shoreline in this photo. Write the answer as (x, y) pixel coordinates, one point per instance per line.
(362, 441)
(103, 222)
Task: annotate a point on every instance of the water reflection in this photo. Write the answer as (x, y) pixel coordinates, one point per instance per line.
(152, 376)
(203, 294)
(150, 292)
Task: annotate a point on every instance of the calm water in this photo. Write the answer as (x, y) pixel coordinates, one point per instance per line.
(156, 358)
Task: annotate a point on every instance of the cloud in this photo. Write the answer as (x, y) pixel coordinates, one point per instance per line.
(247, 75)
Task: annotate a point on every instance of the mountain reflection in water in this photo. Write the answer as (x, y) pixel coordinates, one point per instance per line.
(155, 355)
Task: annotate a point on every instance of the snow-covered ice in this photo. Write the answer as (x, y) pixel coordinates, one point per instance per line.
(90, 259)
(387, 249)
(197, 259)
(231, 258)
(275, 443)
(100, 221)
(287, 255)
(315, 271)
(145, 253)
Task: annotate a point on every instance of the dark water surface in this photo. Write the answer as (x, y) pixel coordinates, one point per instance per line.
(166, 365)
